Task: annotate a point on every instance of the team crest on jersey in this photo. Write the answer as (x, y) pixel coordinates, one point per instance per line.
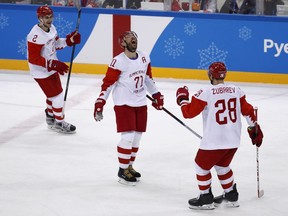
(198, 93)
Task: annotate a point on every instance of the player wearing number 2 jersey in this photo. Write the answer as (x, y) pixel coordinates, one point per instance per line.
(43, 43)
(222, 106)
(129, 78)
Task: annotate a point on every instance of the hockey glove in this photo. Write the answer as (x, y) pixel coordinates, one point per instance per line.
(58, 66)
(73, 38)
(182, 95)
(158, 101)
(256, 135)
(98, 109)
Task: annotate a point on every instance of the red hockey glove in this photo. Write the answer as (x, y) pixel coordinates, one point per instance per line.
(98, 109)
(256, 135)
(158, 101)
(58, 66)
(73, 38)
(182, 95)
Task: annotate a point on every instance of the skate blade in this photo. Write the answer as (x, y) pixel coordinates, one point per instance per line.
(62, 131)
(232, 204)
(204, 207)
(227, 204)
(124, 182)
(50, 127)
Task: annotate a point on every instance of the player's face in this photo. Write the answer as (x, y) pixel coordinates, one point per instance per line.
(47, 20)
(131, 42)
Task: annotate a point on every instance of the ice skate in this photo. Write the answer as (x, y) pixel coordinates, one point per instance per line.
(136, 174)
(230, 199)
(125, 177)
(203, 202)
(64, 127)
(49, 120)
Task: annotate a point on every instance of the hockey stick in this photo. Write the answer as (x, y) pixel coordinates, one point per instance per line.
(177, 119)
(77, 3)
(260, 193)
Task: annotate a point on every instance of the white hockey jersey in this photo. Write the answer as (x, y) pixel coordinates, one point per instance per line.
(41, 47)
(129, 79)
(222, 106)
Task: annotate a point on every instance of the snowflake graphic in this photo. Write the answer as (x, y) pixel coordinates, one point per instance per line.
(63, 26)
(210, 55)
(174, 47)
(190, 29)
(245, 33)
(22, 47)
(3, 21)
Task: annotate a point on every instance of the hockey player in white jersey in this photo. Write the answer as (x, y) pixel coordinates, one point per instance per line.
(221, 106)
(129, 78)
(42, 43)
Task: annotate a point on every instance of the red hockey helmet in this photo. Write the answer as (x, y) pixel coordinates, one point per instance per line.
(122, 37)
(44, 11)
(217, 70)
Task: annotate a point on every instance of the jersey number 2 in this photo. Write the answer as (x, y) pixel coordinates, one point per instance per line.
(223, 105)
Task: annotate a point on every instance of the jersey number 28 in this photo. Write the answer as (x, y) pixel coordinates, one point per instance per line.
(222, 106)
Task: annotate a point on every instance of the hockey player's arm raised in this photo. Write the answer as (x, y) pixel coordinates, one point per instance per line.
(189, 109)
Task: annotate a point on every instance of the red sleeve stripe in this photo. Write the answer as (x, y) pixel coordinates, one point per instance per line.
(110, 78)
(34, 54)
(194, 108)
(247, 109)
(149, 71)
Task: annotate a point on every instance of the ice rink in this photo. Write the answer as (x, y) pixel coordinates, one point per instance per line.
(43, 173)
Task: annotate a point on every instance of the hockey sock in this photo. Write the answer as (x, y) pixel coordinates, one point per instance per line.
(204, 179)
(57, 107)
(124, 149)
(135, 146)
(49, 107)
(226, 178)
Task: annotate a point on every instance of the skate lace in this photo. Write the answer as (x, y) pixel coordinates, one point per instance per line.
(65, 124)
(131, 169)
(128, 174)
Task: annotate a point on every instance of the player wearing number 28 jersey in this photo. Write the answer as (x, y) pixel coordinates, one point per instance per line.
(222, 106)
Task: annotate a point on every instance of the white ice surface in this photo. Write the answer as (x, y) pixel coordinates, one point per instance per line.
(43, 173)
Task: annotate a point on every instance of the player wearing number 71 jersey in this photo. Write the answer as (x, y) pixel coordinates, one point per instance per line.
(222, 106)
(129, 77)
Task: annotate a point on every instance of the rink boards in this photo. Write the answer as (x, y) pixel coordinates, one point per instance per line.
(181, 44)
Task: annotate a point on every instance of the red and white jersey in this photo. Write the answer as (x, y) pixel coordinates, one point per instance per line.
(222, 106)
(42, 46)
(129, 79)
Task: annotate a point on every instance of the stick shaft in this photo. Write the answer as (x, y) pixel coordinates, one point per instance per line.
(259, 193)
(71, 60)
(177, 119)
